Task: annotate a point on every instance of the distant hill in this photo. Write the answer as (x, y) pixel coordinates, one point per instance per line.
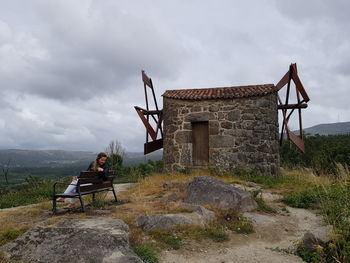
(329, 129)
(39, 158)
(134, 158)
(51, 158)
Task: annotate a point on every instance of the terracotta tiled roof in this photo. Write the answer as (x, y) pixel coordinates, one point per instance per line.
(220, 93)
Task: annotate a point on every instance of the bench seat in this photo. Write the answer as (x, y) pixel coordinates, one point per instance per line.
(88, 183)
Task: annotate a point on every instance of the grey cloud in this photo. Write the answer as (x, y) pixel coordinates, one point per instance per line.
(70, 70)
(326, 10)
(93, 52)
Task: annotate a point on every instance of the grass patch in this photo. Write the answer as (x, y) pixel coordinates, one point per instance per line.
(244, 226)
(333, 202)
(126, 179)
(147, 253)
(262, 206)
(166, 239)
(303, 199)
(26, 196)
(4, 259)
(10, 235)
(36, 190)
(284, 180)
(231, 220)
(100, 200)
(214, 232)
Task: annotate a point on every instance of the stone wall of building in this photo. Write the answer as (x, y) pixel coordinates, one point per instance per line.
(243, 132)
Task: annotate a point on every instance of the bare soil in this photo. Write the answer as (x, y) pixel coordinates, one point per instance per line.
(273, 233)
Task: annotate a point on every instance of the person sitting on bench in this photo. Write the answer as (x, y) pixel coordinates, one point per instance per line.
(99, 165)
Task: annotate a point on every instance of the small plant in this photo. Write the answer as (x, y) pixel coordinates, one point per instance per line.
(147, 253)
(233, 221)
(216, 233)
(262, 206)
(98, 203)
(167, 239)
(244, 226)
(316, 255)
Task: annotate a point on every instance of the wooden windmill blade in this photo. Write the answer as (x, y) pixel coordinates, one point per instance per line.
(288, 108)
(147, 115)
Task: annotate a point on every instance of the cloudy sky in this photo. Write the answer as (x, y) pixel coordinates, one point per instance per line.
(70, 70)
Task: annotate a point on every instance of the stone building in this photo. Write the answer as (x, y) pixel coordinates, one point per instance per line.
(227, 128)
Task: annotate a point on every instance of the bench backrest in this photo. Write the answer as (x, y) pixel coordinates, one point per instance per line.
(95, 181)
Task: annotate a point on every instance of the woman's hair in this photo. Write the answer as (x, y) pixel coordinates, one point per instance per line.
(99, 156)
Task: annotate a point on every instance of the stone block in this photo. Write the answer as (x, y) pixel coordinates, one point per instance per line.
(248, 116)
(264, 148)
(234, 115)
(171, 128)
(221, 141)
(222, 115)
(199, 116)
(186, 155)
(196, 108)
(184, 111)
(183, 137)
(263, 103)
(249, 125)
(187, 126)
(214, 108)
(229, 107)
(213, 127)
(226, 125)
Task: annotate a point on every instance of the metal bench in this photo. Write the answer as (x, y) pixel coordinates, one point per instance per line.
(88, 183)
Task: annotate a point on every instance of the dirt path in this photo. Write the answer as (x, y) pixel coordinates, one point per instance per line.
(272, 232)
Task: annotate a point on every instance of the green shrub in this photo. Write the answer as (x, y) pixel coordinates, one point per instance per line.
(147, 253)
(316, 256)
(36, 190)
(333, 202)
(321, 154)
(303, 199)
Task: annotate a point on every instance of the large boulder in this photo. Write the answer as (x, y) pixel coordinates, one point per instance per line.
(199, 217)
(206, 190)
(77, 240)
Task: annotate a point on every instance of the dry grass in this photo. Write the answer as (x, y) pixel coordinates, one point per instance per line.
(148, 197)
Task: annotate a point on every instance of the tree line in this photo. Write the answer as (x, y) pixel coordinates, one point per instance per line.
(322, 153)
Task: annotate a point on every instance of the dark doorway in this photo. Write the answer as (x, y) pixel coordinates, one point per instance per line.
(200, 143)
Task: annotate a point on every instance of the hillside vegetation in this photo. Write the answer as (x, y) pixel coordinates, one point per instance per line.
(322, 153)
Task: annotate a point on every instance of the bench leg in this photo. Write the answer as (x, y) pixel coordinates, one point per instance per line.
(82, 203)
(93, 197)
(115, 195)
(54, 205)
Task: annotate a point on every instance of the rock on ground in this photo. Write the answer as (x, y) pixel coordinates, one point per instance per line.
(77, 240)
(199, 217)
(207, 190)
